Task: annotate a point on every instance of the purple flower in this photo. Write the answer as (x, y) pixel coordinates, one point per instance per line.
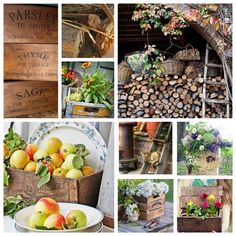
(225, 143)
(194, 136)
(216, 132)
(213, 147)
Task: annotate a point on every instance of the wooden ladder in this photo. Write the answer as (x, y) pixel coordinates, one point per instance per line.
(205, 83)
(162, 144)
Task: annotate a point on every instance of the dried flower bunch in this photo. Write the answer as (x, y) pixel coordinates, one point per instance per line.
(201, 138)
(208, 207)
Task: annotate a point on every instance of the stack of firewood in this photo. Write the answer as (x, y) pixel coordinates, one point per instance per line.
(175, 96)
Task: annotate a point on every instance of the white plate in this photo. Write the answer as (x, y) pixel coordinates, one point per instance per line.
(75, 133)
(94, 217)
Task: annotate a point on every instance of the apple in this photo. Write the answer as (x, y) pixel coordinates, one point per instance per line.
(39, 155)
(47, 205)
(55, 220)
(76, 219)
(56, 159)
(31, 166)
(31, 149)
(53, 145)
(6, 150)
(19, 159)
(73, 161)
(60, 172)
(87, 170)
(74, 174)
(50, 166)
(37, 219)
(66, 149)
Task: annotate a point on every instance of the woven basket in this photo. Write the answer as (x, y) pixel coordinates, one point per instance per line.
(190, 71)
(208, 161)
(188, 54)
(124, 72)
(172, 67)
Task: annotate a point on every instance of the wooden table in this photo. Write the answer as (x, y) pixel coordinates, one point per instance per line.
(165, 221)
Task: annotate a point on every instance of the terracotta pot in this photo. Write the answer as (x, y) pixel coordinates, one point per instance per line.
(152, 128)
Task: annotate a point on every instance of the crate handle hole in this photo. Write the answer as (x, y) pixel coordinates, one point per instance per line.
(91, 109)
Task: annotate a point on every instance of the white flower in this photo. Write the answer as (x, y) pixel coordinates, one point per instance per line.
(194, 131)
(199, 137)
(186, 140)
(130, 209)
(201, 148)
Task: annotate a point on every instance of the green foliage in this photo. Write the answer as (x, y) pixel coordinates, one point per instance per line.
(182, 169)
(43, 172)
(227, 163)
(5, 176)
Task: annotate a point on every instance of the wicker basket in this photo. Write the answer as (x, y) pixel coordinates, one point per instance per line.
(124, 72)
(188, 54)
(172, 67)
(209, 161)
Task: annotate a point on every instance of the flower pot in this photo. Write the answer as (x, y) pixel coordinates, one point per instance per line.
(134, 217)
(152, 128)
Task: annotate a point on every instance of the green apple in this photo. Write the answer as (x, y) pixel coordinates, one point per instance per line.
(55, 220)
(74, 174)
(66, 149)
(39, 155)
(60, 172)
(37, 219)
(73, 161)
(19, 159)
(56, 159)
(47, 206)
(76, 219)
(53, 145)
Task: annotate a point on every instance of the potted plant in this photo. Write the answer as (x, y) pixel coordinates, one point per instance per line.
(202, 144)
(132, 212)
(68, 77)
(152, 128)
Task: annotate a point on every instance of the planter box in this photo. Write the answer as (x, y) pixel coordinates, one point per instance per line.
(23, 98)
(84, 190)
(24, 23)
(151, 207)
(30, 62)
(193, 224)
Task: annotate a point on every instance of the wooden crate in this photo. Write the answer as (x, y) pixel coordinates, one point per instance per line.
(194, 224)
(29, 97)
(85, 190)
(25, 23)
(30, 62)
(151, 207)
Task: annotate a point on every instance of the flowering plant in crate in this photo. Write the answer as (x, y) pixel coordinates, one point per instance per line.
(209, 207)
(68, 76)
(201, 139)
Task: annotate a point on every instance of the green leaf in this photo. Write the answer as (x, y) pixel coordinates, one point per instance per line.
(44, 228)
(41, 170)
(43, 180)
(78, 162)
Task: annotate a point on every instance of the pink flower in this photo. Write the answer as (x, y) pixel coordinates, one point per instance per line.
(218, 204)
(204, 196)
(204, 205)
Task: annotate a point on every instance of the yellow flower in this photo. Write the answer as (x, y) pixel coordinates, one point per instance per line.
(86, 65)
(190, 203)
(211, 197)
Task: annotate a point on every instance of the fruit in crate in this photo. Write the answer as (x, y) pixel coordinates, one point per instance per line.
(49, 165)
(74, 174)
(53, 145)
(73, 161)
(87, 170)
(47, 206)
(60, 172)
(19, 159)
(76, 219)
(37, 219)
(31, 166)
(66, 149)
(39, 155)
(31, 149)
(55, 220)
(6, 150)
(56, 159)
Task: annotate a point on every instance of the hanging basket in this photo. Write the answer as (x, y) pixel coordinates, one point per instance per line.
(124, 72)
(188, 54)
(172, 67)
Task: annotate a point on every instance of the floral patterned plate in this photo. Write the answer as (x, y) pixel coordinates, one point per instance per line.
(75, 133)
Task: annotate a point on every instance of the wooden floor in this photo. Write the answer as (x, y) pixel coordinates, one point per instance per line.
(165, 221)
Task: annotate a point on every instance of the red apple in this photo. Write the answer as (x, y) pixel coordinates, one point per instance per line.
(31, 149)
(47, 205)
(50, 166)
(55, 220)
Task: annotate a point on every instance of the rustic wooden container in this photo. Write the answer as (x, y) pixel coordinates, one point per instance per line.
(25, 23)
(195, 224)
(30, 62)
(29, 97)
(151, 207)
(172, 67)
(85, 190)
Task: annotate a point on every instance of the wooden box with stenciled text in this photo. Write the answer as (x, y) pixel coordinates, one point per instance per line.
(29, 97)
(25, 23)
(84, 190)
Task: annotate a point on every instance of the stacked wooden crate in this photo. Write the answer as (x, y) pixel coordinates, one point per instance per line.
(30, 59)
